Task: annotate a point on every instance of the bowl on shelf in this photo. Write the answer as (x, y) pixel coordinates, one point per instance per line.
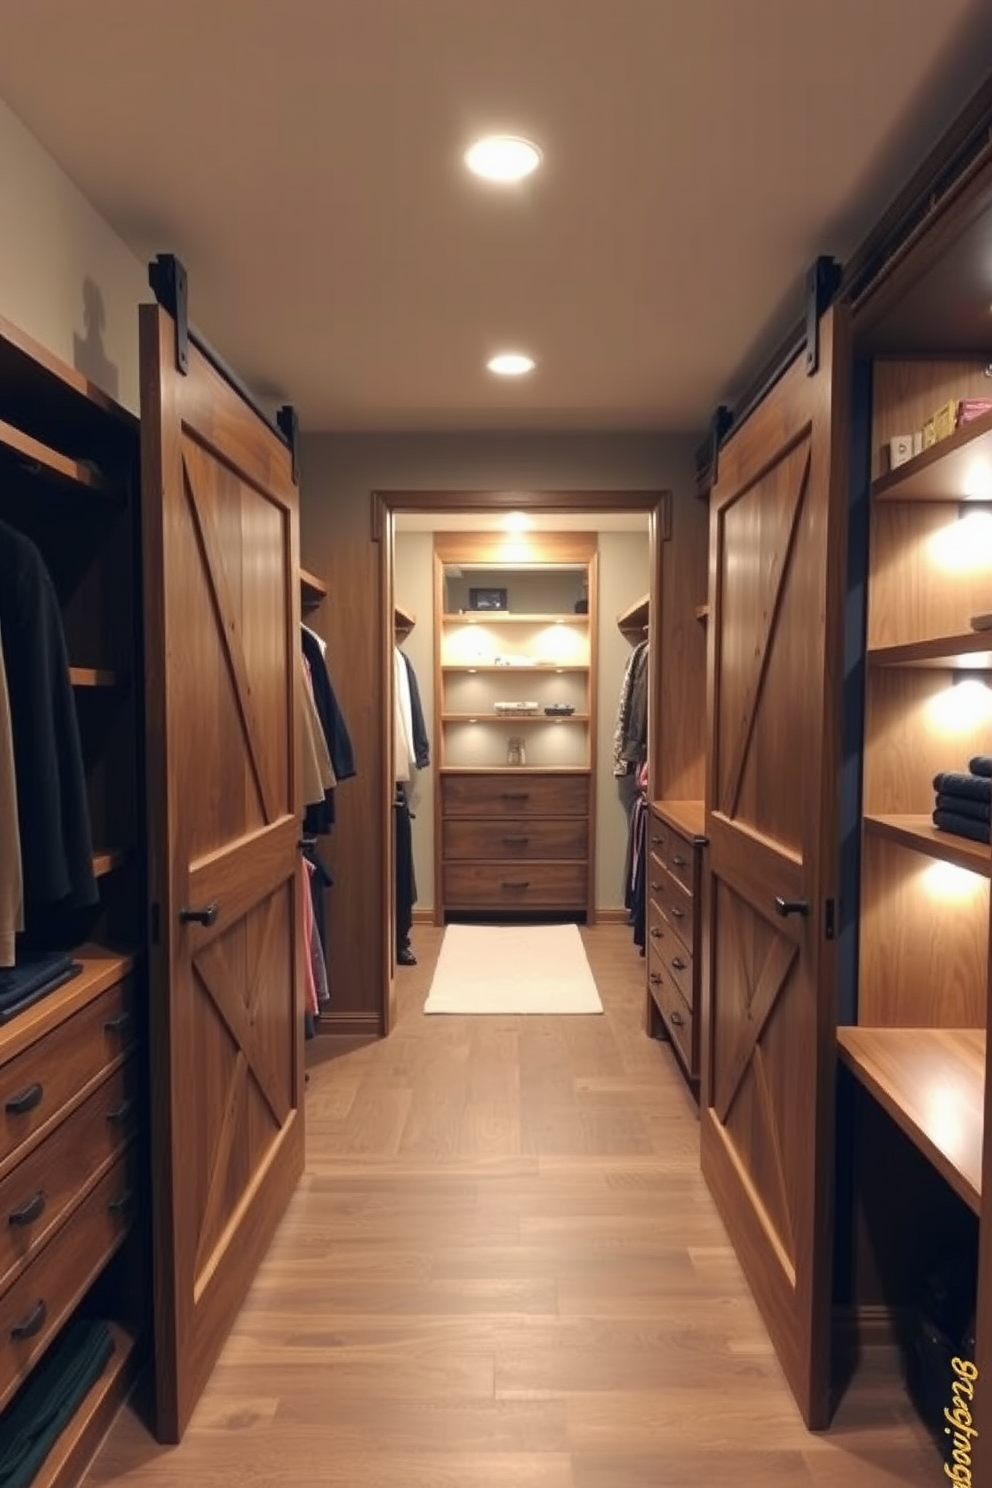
(559, 710)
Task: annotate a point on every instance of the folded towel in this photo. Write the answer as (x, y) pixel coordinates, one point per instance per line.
(976, 810)
(22, 985)
(981, 764)
(962, 826)
(958, 783)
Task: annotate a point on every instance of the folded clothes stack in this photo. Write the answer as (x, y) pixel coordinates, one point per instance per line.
(31, 979)
(964, 800)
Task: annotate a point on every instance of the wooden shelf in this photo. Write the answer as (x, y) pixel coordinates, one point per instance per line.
(102, 968)
(93, 677)
(515, 718)
(931, 1081)
(687, 817)
(403, 620)
(514, 770)
(919, 834)
(958, 468)
(513, 671)
(503, 617)
(77, 1444)
(702, 612)
(634, 620)
(108, 862)
(971, 651)
(38, 386)
(49, 463)
(313, 591)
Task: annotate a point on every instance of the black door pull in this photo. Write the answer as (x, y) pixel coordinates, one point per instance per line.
(786, 907)
(206, 916)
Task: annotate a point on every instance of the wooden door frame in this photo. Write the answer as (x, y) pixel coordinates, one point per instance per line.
(386, 505)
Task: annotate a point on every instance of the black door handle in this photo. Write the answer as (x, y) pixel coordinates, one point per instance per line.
(784, 907)
(207, 916)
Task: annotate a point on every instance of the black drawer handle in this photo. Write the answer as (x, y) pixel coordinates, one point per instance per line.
(120, 1024)
(677, 1019)
(27, 1213)
(515, 841)
(120, 1113)
(678, 861)
(32, 1324)
(122, 1204)
(678, 914)
(656, 932)
(678, 963)
(516, 883)
(655, 979)
(205, 916)
(25, 1100)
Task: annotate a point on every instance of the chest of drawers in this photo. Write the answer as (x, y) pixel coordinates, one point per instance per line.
(515, 842)
(676, 844)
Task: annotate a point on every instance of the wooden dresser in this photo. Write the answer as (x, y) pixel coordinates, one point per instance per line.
(676, 844)
(515, 840)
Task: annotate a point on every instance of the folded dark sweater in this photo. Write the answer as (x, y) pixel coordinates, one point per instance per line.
(963, 826)
(27, 983)
(959, 783)
(40, 1411)
(977, 810)
(981, 764)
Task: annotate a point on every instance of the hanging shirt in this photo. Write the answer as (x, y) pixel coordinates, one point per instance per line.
(11, 879)
(404, 752)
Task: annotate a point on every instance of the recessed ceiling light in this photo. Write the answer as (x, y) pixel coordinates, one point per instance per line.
(510, 364)
(516, 522)
(502, 157)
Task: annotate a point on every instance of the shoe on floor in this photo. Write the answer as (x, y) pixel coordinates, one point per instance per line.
(405, 957)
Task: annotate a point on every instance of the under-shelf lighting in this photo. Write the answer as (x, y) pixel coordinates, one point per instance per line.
(951, 884)
(964, 706)
(964, 545)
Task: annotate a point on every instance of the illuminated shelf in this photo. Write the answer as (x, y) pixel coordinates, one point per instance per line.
(919, 834)
(514, 718)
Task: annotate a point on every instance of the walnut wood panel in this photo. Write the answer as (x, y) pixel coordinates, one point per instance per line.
(39, 1302)
(495, 548)
(673, 901)
(686, 817)
(41, 1085)
(931, 571)
(906, 391)
(917, 723)
(677, 855)
(678, 656)
(515, 886)
(223, 605)
(932, 1083)
(777, 568)
(517, 837)
(501, 795)
(39, 1194)
(923, 939)
(676, 1013)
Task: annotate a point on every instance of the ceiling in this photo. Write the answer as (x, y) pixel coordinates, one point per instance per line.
(304, 159)
(496, 522)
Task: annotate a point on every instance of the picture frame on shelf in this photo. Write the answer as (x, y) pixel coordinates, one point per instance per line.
(487, 599)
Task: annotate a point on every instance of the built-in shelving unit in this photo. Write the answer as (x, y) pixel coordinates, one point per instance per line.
(313, 591)
(958, 468)
(633, 622)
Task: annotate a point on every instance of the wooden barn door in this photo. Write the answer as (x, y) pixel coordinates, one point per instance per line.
(777, 556)
(222, 620)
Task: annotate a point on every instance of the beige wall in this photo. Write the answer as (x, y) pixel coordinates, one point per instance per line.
(623, 578)
(339, 473)
(66, 278)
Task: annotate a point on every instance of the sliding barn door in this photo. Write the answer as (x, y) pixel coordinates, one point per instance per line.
(222, 620)
(777, 557)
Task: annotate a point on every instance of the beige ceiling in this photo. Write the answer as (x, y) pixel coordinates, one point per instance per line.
(303, 157)
(540, 522)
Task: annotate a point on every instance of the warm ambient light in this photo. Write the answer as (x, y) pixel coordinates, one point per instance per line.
(510, 364)
(516, 522)
(502, 157)
(951, 884)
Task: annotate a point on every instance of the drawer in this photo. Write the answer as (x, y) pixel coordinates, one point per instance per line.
(674, 900)
(675, 1011)
(41, 1191)
(39, 1083)
(520, 795)
(41, 1299)
(509, 886)
(518, 837)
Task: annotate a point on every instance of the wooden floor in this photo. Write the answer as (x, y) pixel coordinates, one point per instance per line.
(503, 1270)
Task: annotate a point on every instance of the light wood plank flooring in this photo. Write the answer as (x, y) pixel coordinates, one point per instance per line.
(503, 1268)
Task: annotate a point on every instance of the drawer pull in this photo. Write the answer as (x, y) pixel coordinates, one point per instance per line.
(122, 1204)
(120, 1113)
(678, 914)
(678, 861)
(32, 1324)
(657, 841)
(656, 932)
(516, 883)
(678, 964)
(205, 916)
(655, 979)
(28, 1212)
(120, 1024)
(515, 841)
(676, 1018)
(25, 1100)
(657, 886)
(514, 795)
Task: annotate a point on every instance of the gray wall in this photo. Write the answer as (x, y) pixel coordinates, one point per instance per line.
(623, 578)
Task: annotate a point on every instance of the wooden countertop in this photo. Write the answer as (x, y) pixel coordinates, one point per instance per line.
(687, 817)
(932, 1083)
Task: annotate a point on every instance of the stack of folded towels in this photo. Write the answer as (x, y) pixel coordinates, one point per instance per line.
(964, 800)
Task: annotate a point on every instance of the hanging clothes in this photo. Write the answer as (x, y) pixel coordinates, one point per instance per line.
(317, 770)
(55, 838)
(630, 735)
(421, 743)
(404, 753)
(11, 876)
(319, 818)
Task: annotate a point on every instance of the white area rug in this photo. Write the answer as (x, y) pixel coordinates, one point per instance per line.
(512, 969)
